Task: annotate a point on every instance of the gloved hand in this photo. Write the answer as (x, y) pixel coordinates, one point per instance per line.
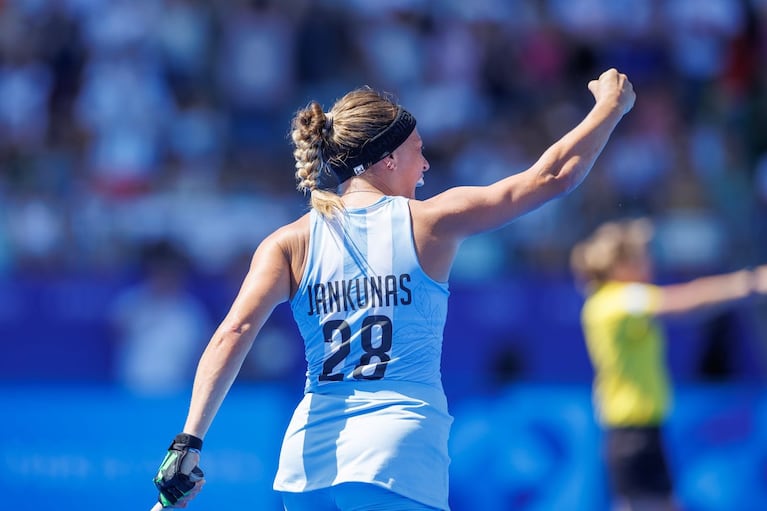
(179, 479)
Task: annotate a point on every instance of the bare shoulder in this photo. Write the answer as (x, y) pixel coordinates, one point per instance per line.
(274, 268)
(426, 212)
(296, 232)
(435, 246)
(442, 213)
(292, 242)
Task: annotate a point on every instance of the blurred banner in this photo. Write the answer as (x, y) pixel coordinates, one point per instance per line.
(525, 447)
(76, 328)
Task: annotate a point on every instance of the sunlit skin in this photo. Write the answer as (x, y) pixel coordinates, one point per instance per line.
(398, 174)
(439, 224)
(409, 161)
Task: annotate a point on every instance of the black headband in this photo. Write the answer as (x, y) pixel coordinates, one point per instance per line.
(377, 148)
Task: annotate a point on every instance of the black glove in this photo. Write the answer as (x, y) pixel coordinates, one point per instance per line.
(175, 479)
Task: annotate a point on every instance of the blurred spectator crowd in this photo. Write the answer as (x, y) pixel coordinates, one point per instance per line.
(128, 122)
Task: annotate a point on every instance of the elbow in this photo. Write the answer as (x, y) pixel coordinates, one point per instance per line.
(558, 184)
(567, 184)
(560, 176)
(230, 334)
(226, 349)
(571, 177)
(236, 328)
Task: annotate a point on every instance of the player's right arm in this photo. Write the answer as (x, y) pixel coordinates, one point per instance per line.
(267, 284)
(270, 280)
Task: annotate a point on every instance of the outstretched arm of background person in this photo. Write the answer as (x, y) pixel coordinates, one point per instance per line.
(266, 285)
(708, 294)
(463, 211)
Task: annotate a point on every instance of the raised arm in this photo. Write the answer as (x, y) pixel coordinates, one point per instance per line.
(708, 294)
(464, 211)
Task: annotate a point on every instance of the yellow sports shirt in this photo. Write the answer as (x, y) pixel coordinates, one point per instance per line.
(627, 349)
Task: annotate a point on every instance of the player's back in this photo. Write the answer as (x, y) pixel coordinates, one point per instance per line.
(365, 308)
(374, 410)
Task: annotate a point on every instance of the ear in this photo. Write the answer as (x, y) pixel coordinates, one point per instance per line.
(391, 164)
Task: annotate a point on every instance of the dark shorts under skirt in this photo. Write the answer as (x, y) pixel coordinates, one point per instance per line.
(636, 462)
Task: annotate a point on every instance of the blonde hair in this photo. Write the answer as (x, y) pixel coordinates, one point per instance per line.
(322, 139)
(594, 259)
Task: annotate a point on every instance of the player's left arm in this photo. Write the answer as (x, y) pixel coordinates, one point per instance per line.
(464, 211)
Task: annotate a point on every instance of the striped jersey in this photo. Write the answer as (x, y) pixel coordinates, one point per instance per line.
(372, 321)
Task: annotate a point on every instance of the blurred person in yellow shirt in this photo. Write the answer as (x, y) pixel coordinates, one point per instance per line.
(626, 344)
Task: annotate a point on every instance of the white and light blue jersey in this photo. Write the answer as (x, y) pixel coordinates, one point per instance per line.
(372, 322)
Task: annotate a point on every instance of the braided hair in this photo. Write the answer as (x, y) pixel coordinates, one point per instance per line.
(326, 142)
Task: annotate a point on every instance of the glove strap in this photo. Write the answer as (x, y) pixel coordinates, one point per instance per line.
(185, 440)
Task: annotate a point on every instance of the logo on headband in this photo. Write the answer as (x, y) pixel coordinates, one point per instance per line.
(378, 147)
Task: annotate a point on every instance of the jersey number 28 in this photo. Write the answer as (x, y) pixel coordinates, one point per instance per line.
(378, 353)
